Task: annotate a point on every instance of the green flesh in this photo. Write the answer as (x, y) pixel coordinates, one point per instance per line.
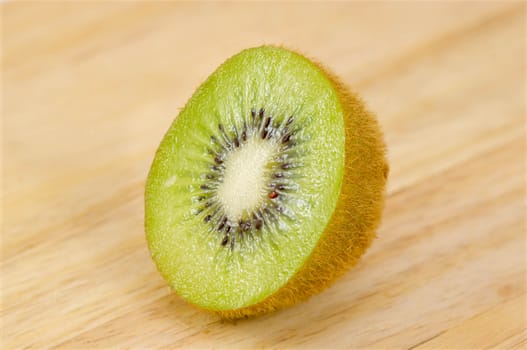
(188, 251)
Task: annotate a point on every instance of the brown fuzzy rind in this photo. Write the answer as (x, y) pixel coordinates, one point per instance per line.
(355, 219)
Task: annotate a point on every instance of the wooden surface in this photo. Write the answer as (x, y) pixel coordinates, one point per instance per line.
(88, 90)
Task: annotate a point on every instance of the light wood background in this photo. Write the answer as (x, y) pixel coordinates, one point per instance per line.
(88, 90)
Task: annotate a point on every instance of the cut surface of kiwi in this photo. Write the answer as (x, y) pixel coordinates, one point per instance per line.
(267, 186)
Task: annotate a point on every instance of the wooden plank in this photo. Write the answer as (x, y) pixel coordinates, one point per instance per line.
(88, 89)
(505, 321)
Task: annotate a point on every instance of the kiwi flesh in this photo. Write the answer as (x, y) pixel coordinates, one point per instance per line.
(268, 185)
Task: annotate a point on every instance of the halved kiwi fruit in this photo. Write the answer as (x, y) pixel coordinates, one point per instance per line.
(268, 185)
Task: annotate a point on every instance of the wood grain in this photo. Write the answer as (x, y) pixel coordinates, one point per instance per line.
(88, 89)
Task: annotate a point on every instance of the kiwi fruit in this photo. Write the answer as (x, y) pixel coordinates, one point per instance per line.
(268, 185)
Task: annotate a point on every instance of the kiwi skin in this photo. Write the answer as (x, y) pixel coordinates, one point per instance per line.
(357, 214)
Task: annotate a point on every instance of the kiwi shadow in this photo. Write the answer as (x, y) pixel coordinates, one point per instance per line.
(348, 298)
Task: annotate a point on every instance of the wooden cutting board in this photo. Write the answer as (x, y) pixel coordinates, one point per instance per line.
(88, 90)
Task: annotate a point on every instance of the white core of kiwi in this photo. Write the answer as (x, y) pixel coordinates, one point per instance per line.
(246, 177)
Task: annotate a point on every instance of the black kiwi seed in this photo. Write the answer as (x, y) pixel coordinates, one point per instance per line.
(244, 132)
(265, 130)
(225, 240)
(215, 168)
(245, 225)
(222, 224)
(267, 122)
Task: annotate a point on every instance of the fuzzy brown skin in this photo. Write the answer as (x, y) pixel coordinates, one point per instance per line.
(356, 217)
